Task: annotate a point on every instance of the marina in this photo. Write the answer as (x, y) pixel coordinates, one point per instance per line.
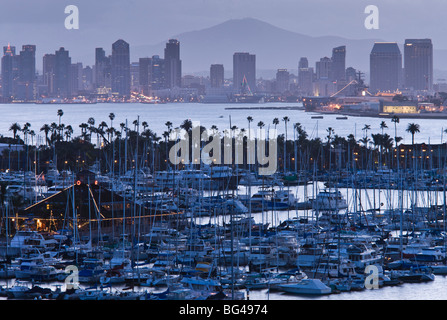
(223, 232)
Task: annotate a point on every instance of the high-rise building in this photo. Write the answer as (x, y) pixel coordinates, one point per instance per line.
(76, 83)
(9, 71)
(323, 68)
(282, 80)
(304, 63)
(158, 73)
(305, 77)
(217, 75)
(385, 67)
(103, 77)
(26, 84)
(244, 72)
(338, 67)
(48, 73)
(418, 64)
(351, 74)
(135, 76)
(120, 64)
(28, 64)
(145, 66)
(173, 64)
(62, 69)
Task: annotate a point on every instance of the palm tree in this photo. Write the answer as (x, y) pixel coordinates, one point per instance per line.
(25, 131)
(136, 124)
(32, 135)
(46, 128)
(111, 117)
(383, 126)
(169, 125)
(330, 131)
(250, 120)
(286, 120)
(15, 127)
(413, 128)
(395, 120)
(84, 127)
(91, 128)
(366, 128)
(68, 132)
(275, 122)
(60, 113)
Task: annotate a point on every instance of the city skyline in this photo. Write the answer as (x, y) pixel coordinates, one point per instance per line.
(117, 75)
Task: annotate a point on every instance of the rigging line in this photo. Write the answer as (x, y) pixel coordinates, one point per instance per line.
(94, 201)
(352, 82)
(48, 198)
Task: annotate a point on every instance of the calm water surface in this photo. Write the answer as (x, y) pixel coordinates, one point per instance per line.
(210, 114)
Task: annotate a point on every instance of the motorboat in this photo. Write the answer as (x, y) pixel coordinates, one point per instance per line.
(329, 201)
(306, 287)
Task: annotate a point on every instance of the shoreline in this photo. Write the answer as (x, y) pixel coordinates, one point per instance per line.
(384, 115)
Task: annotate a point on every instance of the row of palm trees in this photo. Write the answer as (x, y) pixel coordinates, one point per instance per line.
(295, 153)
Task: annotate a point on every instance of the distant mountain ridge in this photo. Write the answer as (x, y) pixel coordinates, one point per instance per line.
(274, 47)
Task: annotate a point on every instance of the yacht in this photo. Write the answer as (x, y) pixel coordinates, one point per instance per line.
(329, 201)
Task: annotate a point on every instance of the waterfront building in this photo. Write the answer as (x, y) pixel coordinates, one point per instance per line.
(305, 77)
(385, 67)
(144, 74)
(282, 80)
(323, 68)
(244, 72)
(135, 76)
(103, 76)
(76, 83)
(27, 73)
(120, 68)
(48, 73)
(400, 107)
(9, 71)
(338, 64)
(62, 69)
(418, 64)
(217, 75)
(173, 64)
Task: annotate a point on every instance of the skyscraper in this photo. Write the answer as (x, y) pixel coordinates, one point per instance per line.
(9, 71)
(338, 64)
(28, 64)
(120, 64)
(135, 76)
(27, 73)
(324, 68)
(145, 66)
(158, 73)
(244, 72)
(49, 67)
(418, 64)
(62, 68)
(173, 64)
(102, 69)
(305, 77)
(217, 75)
(282, 80)
(75, 82)
(385, 67)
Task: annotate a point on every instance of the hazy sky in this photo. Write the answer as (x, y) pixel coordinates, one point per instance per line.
(139, 22)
